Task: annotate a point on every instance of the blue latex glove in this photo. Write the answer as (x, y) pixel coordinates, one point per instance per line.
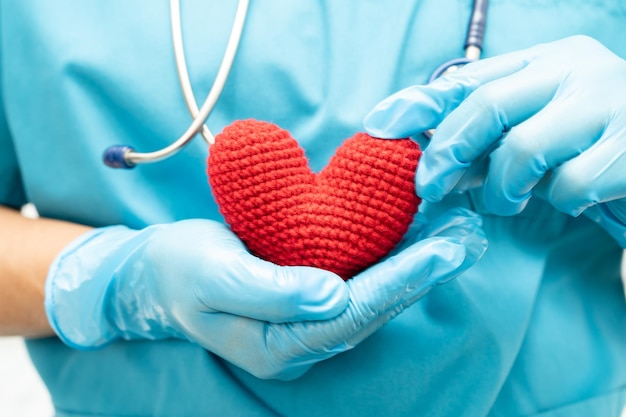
(549, 120)
(195, 280)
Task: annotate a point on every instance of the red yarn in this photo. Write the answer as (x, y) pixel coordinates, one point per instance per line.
(344, 219)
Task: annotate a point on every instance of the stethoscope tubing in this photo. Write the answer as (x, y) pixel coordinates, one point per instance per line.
(473, 46)
(124, 156)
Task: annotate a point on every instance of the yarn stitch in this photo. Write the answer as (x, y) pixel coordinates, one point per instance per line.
(343, 219)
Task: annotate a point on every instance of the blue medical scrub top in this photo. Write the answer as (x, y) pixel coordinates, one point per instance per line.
(537, 328)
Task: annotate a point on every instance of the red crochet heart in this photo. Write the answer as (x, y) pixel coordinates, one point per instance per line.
(343, 219)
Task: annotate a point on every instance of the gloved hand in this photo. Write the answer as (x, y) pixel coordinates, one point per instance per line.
(550, 120)
(195, 280)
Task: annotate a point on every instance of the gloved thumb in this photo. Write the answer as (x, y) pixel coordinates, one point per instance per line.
(408, 112)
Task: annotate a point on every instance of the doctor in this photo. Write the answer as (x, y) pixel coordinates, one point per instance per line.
(139, 301)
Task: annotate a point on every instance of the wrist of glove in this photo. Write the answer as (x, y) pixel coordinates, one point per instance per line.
(195, 280)
(72, 282)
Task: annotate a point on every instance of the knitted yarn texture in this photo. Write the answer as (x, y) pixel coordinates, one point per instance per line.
(343, 219)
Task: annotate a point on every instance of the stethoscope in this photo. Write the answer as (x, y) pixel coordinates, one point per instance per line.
(473, 46)
(124, 156)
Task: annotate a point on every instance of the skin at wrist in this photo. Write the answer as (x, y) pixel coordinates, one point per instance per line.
(27, 249)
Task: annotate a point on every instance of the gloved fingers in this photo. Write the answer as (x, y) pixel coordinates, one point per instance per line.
(561, 131)
(460, 225)
(377, 295)
(374, 294)
(463, 226)
(418, 108)
(456, 222)
(239, 340)
(251, 287)
(255, 288)
(475, 127)
(265, 350)
(211, 267)
(287, 350)
(466, 228)
(595, 176)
